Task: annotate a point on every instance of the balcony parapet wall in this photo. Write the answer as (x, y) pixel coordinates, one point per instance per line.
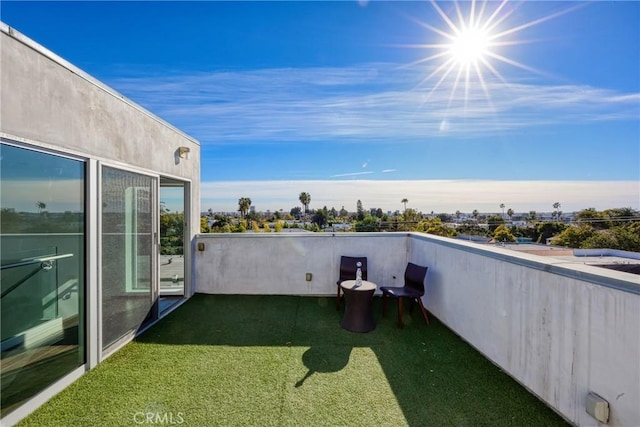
(277, 264)
(560, 329)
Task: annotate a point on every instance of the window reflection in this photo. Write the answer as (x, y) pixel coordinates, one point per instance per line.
(42, 259)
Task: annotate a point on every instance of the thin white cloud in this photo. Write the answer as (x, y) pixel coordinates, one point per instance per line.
(388, 170)
(361, 103)
(425, 195)
(351, 174)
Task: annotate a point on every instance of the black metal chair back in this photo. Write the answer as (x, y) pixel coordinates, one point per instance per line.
(414, 277)
(348, 268)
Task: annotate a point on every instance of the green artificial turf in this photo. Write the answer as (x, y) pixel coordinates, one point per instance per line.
(285, 361)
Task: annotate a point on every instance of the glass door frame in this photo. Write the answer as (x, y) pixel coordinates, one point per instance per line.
(184, 186)
(155, 244)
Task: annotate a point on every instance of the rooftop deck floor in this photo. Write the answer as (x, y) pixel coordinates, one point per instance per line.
(285, 361)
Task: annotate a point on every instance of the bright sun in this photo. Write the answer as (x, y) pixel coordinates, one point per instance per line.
(470, 46)
(471, 41)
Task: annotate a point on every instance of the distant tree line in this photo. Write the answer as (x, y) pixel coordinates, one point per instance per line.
(612, 228)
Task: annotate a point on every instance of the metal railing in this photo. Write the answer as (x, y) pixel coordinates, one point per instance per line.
(46, 264)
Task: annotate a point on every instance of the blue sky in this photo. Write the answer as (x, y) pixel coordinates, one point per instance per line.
(336, 99)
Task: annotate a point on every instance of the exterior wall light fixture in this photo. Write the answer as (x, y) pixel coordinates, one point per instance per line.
(183, 152)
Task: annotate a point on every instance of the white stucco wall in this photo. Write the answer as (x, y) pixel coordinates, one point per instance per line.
(276, 264)
(49, 103)
(560, 330)
(547, 324)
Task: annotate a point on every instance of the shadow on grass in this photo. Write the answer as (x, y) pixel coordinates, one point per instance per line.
(317, 359)
(436, 378)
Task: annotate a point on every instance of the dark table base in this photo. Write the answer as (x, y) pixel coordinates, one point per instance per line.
(358, 316)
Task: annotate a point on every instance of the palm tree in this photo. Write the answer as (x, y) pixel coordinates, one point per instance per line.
(510, 213)
(556, 206)
(405, 201)
(475, 214)
(502, 207)
(40, 206)
(243, 205)
(305, 199)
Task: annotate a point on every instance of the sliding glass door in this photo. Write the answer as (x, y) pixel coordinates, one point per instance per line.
(42, 239)
(129, 212)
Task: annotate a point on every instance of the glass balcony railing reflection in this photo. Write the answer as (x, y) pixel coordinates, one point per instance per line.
(42, 266)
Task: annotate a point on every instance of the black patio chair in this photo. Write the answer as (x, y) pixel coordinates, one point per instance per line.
(413, 289)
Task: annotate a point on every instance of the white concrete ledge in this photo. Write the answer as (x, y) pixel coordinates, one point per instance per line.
(626, 282)
(606, 252)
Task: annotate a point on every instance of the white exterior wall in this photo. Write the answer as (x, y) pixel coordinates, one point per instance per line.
(276, 264)
(548, 325)
(49, 103)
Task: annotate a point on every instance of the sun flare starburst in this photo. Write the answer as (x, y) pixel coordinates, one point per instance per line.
(470, 47)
